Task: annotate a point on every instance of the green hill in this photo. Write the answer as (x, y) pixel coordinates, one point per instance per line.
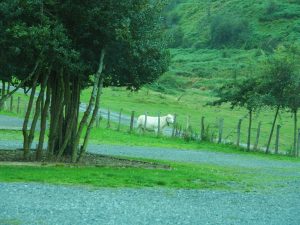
(211, 40)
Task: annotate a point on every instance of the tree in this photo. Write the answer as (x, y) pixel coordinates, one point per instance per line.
(79, 44)
(242, 93)
(293, 103)
(276, 82)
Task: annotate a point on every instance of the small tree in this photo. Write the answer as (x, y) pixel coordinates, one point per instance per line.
(276, 82)
(293, 103)
(241, 94)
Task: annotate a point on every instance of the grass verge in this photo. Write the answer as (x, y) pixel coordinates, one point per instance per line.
(185, 176)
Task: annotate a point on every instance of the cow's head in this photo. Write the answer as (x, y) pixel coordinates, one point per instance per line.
(170, 119)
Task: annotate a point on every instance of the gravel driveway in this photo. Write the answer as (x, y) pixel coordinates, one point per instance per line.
(49, 204)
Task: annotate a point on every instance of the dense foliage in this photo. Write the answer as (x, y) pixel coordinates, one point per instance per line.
(65, 46)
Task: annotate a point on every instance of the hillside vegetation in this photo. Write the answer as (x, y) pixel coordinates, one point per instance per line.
(211, 40)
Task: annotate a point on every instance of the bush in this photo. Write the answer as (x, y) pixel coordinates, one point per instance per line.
(226, 31)
(271, 8)
(274, 11)
(176, 36)
(269, 44)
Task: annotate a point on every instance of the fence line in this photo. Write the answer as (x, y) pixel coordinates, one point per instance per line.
(205, 131)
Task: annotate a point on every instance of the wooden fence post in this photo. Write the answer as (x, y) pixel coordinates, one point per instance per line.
(145, 122)
(174, 125)
(257, 137)
(158, 121)
(239, 132)
(176, 130)
(188, 122)
(298, 143)
(202, 129)
(120, 117)
(221, 125)
(212, 137)
(277, 139)
(108, 119)
(180, 131)
(131, 121)
(11, 103)
(18, 106)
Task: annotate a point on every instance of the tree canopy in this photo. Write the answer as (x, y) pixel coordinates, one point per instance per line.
(65, 46)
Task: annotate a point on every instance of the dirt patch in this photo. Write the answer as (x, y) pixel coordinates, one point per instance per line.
(15, 158)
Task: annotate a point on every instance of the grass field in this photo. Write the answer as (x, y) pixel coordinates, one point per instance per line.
(193, 104)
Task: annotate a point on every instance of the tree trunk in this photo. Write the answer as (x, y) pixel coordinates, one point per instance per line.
(8, 88)
(38, 109)
(272, 130)
(56, 110)
(295, 132)
(44, 113)
(90, 126)
(2, 99)
(89, 108)
(75, 106)
(249, 130)
(26, 119)
(70, 117)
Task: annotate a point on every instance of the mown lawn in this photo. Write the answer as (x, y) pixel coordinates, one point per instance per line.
(187, 176)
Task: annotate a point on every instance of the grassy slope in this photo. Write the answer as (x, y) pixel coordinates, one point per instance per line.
(284, 24)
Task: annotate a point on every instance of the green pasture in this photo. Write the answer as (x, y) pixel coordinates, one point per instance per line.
(193, 104)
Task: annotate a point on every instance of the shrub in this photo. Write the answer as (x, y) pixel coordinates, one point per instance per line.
(269, 44)
(274, 11)
(271, 8)
(176, 36)
(226, 31)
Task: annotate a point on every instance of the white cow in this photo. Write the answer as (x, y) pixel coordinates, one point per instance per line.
(152, 122)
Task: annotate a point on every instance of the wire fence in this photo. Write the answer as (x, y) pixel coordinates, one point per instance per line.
(212, 132)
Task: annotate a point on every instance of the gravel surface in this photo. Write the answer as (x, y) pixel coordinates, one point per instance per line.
(14, 123)
(49, 204)
(192, 156)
